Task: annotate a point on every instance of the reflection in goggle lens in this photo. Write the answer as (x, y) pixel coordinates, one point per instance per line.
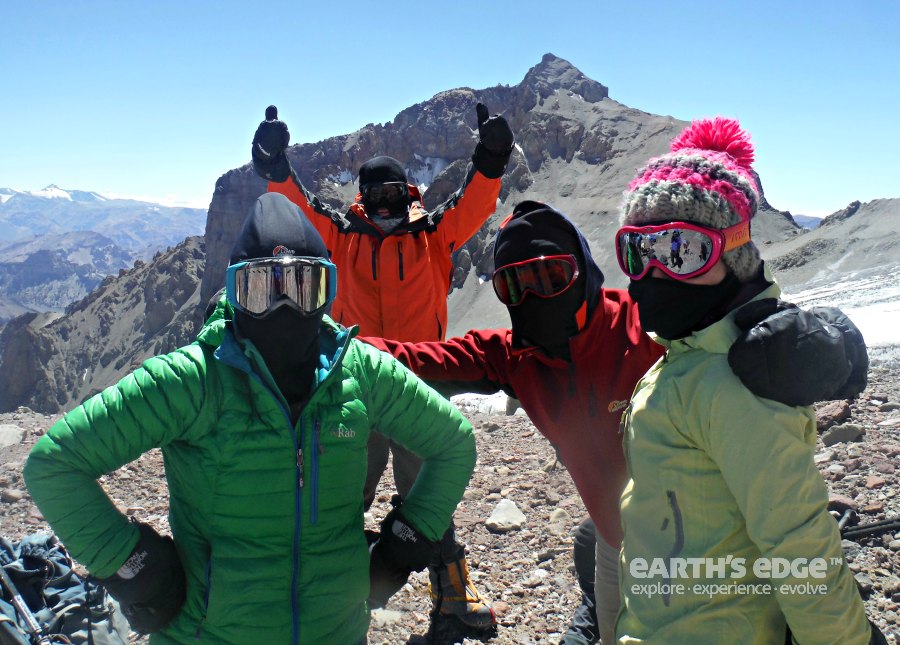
(258, 286)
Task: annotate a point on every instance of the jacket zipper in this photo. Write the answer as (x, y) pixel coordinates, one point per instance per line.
(317, 450)
(374, 262)
(298, 508)
(400, 258)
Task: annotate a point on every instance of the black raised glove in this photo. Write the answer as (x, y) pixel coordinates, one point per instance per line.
(269, 143)
(150, 586)
(495, 143)
(399, 551)
(794, 356)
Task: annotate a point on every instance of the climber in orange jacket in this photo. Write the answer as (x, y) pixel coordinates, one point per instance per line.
(394, 261)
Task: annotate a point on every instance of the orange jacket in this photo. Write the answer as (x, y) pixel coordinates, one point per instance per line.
(395, 286)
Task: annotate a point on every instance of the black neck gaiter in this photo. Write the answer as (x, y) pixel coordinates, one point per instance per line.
(673, 309)
(289, 345)
(548, 323)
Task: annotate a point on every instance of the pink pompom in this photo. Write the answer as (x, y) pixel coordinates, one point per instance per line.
(719, 134)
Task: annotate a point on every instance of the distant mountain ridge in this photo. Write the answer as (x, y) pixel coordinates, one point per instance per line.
(57, 245)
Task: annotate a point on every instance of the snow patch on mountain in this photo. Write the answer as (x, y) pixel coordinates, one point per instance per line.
(343, 177)
(428, 168)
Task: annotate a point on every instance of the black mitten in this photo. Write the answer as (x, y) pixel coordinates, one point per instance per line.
(150, 586)
(788, 354)
(495, 143)
(854, 348)
(269, 143)
(400, 550)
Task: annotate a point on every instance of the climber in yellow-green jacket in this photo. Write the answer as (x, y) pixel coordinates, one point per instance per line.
(727, 538)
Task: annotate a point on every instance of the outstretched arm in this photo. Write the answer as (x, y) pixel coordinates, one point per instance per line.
(476, 362)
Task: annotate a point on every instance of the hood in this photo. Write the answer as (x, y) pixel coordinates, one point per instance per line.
(548, 231)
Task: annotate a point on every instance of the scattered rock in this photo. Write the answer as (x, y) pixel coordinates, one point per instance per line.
(10, 435)
(843, 433)
(505, 517)
(889, 407)
(873, 481)
(11, 495)
(831, 414)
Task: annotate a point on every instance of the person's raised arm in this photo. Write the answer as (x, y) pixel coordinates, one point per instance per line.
(476, 200)
(269, 154)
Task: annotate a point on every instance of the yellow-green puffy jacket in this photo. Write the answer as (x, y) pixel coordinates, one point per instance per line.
(719, 480)
(272, 543)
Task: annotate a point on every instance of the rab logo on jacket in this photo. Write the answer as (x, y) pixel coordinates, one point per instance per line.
(343, 433)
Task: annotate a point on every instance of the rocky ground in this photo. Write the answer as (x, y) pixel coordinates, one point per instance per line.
(527, 571)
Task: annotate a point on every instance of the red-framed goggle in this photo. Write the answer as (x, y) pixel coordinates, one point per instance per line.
(681, 250)
(545, 276)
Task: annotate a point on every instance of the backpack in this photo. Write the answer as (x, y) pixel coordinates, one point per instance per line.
(64, 607)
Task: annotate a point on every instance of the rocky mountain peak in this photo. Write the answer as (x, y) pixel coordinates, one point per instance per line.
(554, 73)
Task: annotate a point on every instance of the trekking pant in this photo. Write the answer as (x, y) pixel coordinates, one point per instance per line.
(583, 627)
(606, 589)
(406, 469)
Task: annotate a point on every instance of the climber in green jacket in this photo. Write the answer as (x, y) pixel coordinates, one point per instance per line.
(263, 424)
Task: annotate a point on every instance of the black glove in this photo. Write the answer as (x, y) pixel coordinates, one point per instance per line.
(794, 356)
(854, 347)
(269, 143)
(150, 586)
(399, 551)
(495, 143)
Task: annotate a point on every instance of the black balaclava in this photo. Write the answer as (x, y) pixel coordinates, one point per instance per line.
(287, 340)
(380, 170)
(271, 113)
(534, 230)
(673, 309)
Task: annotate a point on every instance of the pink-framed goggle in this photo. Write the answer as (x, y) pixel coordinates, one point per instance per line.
(681, 250)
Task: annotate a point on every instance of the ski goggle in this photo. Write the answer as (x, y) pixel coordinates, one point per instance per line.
(681, 250)
(392, 191)
(257, 287)
(544, 276)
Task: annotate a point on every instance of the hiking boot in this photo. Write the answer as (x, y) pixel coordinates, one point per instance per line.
(458, 598)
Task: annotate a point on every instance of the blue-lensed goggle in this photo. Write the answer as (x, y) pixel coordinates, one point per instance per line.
(257, 287)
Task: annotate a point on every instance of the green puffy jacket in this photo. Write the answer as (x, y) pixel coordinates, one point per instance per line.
(722, 482)
(267, 516)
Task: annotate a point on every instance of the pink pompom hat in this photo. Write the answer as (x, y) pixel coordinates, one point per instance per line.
(707, 179)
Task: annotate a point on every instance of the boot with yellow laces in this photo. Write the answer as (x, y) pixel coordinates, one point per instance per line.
(454, 595)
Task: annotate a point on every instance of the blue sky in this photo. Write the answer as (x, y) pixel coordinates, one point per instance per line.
(158, 99)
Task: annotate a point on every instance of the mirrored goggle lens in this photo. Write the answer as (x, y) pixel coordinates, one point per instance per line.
(256, 287)
(390, 192)
(679, 251)
(544, 277)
